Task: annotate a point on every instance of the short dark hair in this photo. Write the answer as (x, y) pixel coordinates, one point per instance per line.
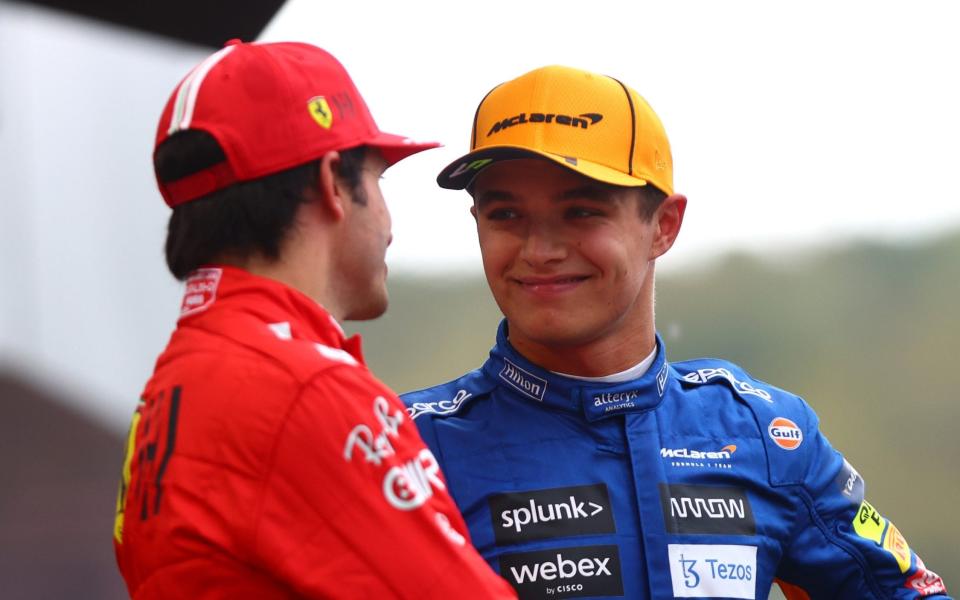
(246, 219)
(649, 200)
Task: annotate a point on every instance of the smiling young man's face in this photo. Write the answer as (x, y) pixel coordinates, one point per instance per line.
(569, 260)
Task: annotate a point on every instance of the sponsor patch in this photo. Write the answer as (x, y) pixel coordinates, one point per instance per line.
(564, 572)
(713, 570)
(551, 513)
(700, 459)
(523, 381)
(896, 545)
(470, 167)
(320, 111)
(662, 378)
(869, 524)
(707, 375)
(200, 291)
(706, 509)
(405, 486)
(851, 484)
(785, 433)
(441, 407)
(606, 403)
(925, 582)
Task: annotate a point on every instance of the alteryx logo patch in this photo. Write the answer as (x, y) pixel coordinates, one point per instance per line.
(713, 571)
(612, 402)
(706, 509)
(583, 120)
(564, 572)
(523, 381)
(552, 513)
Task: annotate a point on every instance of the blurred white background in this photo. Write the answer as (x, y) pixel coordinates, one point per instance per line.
(791, 125)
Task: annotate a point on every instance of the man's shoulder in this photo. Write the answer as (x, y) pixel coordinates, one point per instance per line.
(241, 338)
(448, 398)
(721, 377)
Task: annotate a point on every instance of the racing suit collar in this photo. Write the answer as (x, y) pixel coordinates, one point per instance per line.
(288, 312)
(594, 400)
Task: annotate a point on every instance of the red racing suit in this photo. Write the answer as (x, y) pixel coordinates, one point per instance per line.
(265, 461)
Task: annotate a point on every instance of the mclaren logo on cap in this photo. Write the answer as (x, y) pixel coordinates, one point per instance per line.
(580, 121)
(320, 111)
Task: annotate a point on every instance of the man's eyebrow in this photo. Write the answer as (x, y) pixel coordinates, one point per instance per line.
(586, 192)
(487, 196)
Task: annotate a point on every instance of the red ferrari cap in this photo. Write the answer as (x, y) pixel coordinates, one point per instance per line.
(271, 107)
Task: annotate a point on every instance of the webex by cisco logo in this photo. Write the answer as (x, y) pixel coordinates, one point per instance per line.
(556, 512)
(706, 509)
(564, 572)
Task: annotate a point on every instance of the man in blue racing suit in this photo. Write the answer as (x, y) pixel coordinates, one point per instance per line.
(585, 463)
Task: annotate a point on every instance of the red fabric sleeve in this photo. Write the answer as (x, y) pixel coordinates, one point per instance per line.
(355, 505)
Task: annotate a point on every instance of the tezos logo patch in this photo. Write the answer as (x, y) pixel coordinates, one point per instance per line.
(557, 512)
(785, 433)
(564, 572)
(713, 571)
(706, 509)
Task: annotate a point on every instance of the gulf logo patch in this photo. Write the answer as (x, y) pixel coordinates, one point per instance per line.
(785, 433)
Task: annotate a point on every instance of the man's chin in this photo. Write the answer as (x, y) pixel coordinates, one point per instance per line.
(550, 331)
(368, 312)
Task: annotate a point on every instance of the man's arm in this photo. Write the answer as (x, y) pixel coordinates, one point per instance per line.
(356, 502)
(846, 546)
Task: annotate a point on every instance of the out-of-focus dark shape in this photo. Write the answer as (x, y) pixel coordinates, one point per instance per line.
(204, 22)
(58, 482)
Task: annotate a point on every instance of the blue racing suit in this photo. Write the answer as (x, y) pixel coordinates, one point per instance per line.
(692, 481)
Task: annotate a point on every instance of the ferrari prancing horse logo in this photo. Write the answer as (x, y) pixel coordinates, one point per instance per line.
(320, 111)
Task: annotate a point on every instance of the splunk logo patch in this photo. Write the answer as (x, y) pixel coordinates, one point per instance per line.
(564, 572)
(706, 509)
(583, 121)
(556, 512)
(523, 381)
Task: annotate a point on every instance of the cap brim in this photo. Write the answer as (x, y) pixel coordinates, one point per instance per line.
(397, 147)
(461, 172)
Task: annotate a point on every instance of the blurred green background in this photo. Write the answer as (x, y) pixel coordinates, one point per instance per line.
(867, 333)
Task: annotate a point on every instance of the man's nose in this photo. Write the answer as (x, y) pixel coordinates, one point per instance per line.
(543, 244)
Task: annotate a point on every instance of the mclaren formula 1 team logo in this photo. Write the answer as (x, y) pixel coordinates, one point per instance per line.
(320, 111)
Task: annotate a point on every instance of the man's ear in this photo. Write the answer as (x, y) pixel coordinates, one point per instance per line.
(667, 219)
(473, 211)
(332, 196)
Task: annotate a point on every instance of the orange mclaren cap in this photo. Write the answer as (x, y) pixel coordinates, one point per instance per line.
(590, 123)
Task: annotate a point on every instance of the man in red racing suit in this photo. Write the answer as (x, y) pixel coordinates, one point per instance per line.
(264, 459)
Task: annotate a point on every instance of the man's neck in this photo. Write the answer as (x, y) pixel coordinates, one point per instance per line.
(599, 357)
(298, 274)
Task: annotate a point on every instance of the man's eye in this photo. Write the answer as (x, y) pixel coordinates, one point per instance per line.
(579, 212)
(501, 214)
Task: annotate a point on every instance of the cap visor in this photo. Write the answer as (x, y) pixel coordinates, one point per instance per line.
(458, 174)
(397, 147)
